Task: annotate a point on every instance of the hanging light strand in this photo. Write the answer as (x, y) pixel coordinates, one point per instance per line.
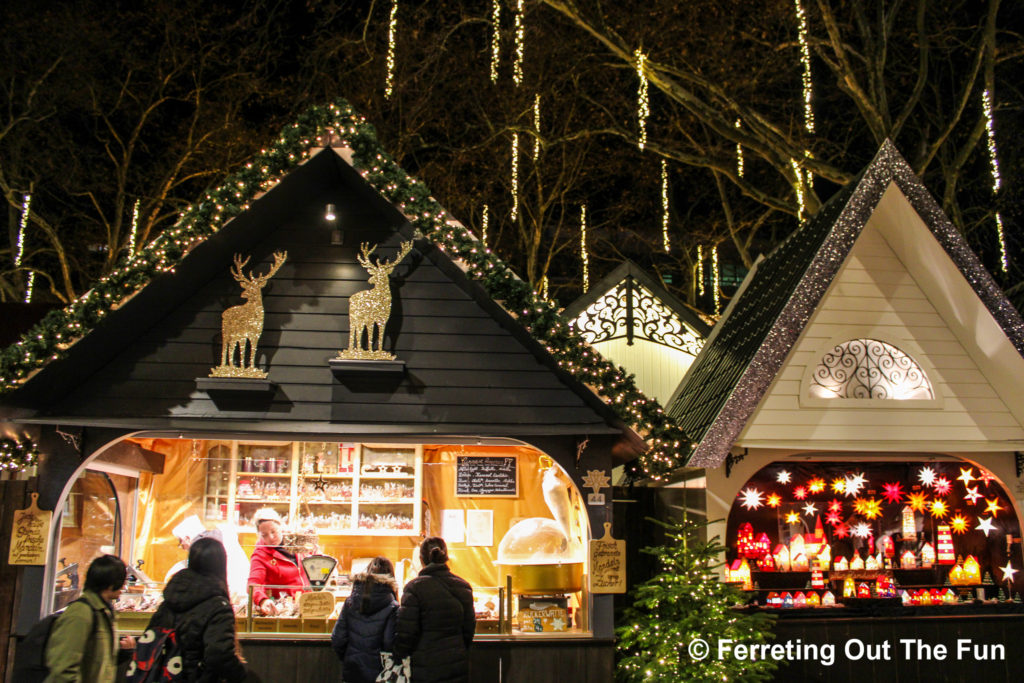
(739, 154)
(517, 65)
(389, 84)
(495, 39)
(515, 176)
(29, 286)
(997, 181)
(26, 207)
(715, 280)
(805, 59)
(643, 104)
(544, 285)
(486, 221)
(799, 187)
(583, 248)
(135, 229)
(536, 127)
(700, 270)
(664, 206)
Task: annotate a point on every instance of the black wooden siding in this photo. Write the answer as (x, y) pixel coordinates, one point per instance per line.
(467, 364)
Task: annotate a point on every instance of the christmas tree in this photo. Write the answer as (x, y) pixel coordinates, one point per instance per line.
(683, 603)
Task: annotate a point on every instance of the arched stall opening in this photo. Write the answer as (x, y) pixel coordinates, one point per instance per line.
(515, 523)
(804, 533)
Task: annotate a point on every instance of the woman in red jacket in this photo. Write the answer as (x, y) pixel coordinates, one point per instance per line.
(272, 564)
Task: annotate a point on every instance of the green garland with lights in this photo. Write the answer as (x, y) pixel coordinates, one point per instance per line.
(668, 448)
(18, 454)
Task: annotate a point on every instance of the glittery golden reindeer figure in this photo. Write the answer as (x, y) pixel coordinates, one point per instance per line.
(369, 309)
(244, 323)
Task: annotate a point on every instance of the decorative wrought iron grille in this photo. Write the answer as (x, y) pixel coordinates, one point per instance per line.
(869, 368)
(632, 311)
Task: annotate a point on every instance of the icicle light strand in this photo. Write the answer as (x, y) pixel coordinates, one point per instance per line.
(739, 155)
(997, 181)
(392, 29)
(700, 270)
(515, 176)
(643, 104)
(715, 280)
(583, 248)
(664, 206)
(536, 127)
(799, 187)
(26, 207)
(495, 39)
(486, 220)
(135, 228)
(805, 59)
(517, 65)
(29, 285)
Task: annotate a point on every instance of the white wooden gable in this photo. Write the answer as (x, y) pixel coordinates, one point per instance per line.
(897, 285)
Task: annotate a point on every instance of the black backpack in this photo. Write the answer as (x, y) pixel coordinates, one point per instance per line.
(30, 662)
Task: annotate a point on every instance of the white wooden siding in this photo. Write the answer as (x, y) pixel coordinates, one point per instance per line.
(658, 369)
(875, 296)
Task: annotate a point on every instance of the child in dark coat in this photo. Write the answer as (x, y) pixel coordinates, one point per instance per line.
(367, 622)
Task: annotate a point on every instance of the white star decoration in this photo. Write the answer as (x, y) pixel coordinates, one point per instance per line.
(927, 476)
(861, 530)
(985, 525)
(783, 477)
(1008, 571)
(596, 480)
(985, 476)
(966, 475)
(809, 509)
(972, 495)
(751, 498)
(854, 484)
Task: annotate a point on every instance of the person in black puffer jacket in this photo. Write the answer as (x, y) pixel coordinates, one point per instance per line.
(367, 622)
(436, 619)
(197, 605)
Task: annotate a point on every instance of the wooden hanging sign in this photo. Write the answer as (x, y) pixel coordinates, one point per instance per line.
(30, 535)
(316, 604)
(607, 563)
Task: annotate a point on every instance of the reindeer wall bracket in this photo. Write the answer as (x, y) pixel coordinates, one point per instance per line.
(243, 324)
(369, 309)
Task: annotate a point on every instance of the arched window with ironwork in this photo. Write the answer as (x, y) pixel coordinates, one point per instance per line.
(869, 369)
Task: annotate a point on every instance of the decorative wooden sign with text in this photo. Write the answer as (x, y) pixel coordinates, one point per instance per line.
(316, 604)
(30, 535)
(607, 563)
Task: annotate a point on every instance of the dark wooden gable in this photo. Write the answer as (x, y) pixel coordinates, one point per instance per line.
(470, 367)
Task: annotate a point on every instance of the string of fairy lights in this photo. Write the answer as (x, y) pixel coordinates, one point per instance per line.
(17, 455)
(389, 83)
(515, 175)
(520, 55)
(993, 158)
(495, 39)
(133, 235)
(700, 270)
(799, 186)
(26, 208)
(536, 127)
(643, 104)
(584, 256)
(739, 152)
(805, 60)
(339, 125)
(485, 224)
(664, 206)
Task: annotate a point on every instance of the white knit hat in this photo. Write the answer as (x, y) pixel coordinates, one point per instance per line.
(266, 515)
(190, 527)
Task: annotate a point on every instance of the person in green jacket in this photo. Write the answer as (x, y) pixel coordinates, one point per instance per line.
(81, 647)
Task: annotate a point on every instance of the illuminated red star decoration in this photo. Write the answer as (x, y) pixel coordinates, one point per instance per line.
(834, 518)
(751, 498)
(958, 524)
(993, 507)
(985, 476)
(917, 501)
(839, 485)
(835, 506)
(939, 508)
(985, 525)
(1008, 571)
(773, 500)
(783, 477)
(966, 476)
(841, 530)
(927, 476)
(799, 493)
(943, 486)
(816, 485)
(893, 493)
(810, 509)
(972, 495)
(861, 530)
(792, 517)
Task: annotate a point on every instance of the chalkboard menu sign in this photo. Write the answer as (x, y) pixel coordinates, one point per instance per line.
(487, 476)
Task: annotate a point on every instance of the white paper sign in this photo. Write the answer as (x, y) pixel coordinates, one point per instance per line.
(480, 527)
(453, 526)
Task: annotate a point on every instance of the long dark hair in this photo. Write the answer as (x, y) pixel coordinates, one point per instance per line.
(433, 551)
(208, 558)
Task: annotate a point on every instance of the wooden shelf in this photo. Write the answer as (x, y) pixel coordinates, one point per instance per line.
(376, 475)
(314, 477)
(325, 502)
(279, 475)
(404, 501)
